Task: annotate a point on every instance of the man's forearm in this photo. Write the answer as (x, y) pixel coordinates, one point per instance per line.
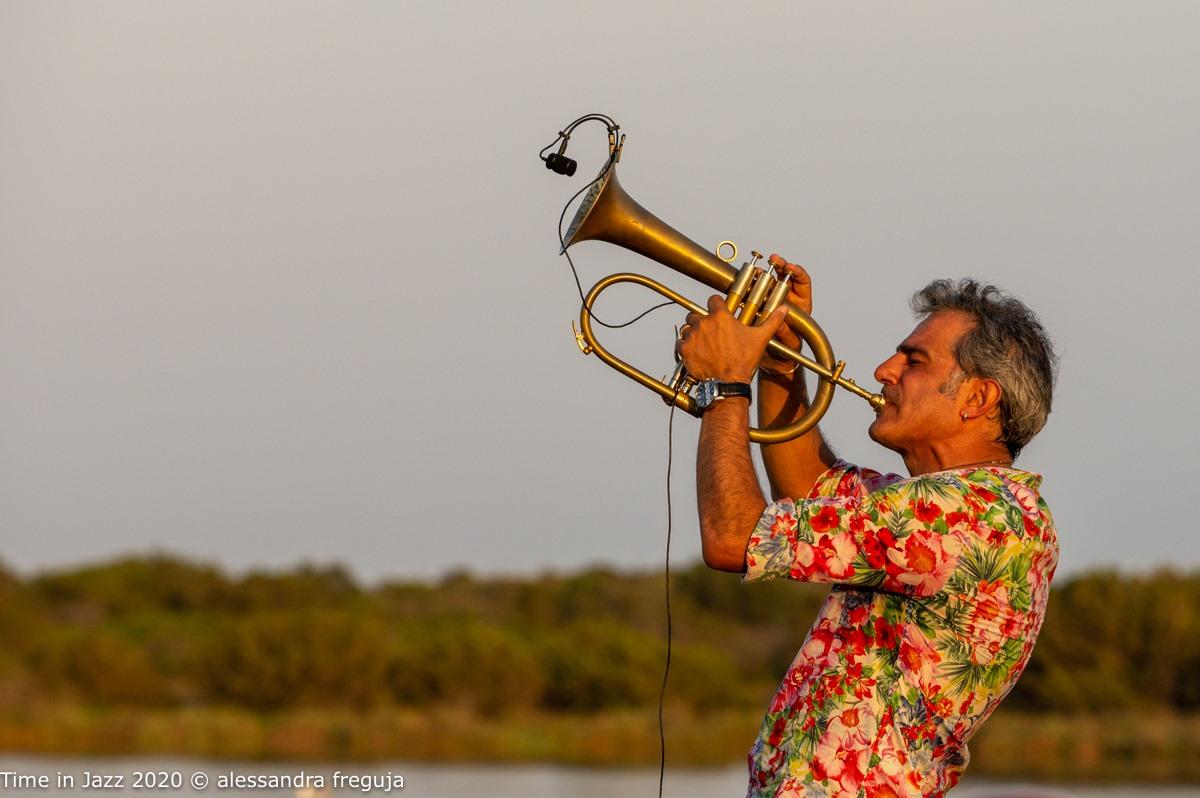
(728, 495)
(792, 467)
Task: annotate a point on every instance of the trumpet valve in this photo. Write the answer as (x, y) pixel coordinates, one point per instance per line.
(739, 287)
(778, 294)
(758, 293)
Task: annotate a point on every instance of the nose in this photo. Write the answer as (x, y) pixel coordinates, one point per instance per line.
(887, 371)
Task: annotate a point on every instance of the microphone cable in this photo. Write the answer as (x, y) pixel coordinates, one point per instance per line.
(662, 693)
(662, 738)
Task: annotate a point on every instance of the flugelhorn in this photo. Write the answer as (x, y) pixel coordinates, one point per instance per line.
(608, 213)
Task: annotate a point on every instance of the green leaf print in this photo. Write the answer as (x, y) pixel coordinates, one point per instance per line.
(982, 563)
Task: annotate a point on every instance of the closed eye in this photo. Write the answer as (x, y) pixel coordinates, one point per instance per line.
(912, 355)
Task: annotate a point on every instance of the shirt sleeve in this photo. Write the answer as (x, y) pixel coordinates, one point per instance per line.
(859, 527)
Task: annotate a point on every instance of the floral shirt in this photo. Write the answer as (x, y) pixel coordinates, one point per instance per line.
(940, 586)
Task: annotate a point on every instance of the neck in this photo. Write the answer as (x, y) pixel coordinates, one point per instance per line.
(945, 457)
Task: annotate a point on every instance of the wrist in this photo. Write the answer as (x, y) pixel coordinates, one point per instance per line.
(711, 392)
(736, 405)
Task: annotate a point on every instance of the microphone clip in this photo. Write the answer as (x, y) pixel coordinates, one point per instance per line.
(559, 163)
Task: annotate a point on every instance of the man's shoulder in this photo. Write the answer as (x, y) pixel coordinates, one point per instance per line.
(843, 479)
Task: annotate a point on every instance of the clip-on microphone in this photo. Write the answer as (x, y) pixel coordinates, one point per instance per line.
(559, 162)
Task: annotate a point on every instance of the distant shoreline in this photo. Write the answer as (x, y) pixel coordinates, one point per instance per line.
(1162, 748)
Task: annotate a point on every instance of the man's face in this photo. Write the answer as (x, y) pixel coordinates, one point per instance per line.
(917, 411)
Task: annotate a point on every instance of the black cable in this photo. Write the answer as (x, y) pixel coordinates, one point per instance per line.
(662, 737)
(612, 158)
(566, 132)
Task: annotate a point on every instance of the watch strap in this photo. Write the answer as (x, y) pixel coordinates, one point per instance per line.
(709, 392)
(725, 389)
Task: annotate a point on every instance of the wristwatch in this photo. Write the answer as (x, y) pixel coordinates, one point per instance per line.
(709, 392)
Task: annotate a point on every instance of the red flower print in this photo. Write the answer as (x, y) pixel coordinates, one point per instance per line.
(785, 524)
(804, 561)
(926, 511)
(879, 785)
(777, 731)
(957, 517)
(925, 560)
(856, 642)
(835, 556)
(825, 520)
(875, 546)
(885, 634)
(873, 550)
(984, 653)
(861, 740)
(918, 656)
(983, 493)
(820, 642)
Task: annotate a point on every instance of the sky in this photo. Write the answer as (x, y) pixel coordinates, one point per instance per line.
(279, 281)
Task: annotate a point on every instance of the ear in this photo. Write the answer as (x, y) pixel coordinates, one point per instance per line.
(980, 398)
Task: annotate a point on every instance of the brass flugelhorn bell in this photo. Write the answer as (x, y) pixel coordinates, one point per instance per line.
(608, 213)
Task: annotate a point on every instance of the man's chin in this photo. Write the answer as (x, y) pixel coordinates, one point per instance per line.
(878, 432)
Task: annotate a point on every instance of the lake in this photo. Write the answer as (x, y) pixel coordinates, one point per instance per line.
(80, 777)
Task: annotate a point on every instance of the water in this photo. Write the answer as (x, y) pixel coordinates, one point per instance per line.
(142, 777)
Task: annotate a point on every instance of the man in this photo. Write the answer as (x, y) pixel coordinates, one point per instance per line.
(939, 580)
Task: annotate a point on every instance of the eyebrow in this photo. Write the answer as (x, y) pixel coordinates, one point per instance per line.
(904, 349)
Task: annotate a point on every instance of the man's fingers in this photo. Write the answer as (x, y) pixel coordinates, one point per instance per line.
(784, 266)
(797, 272)
(788, 336)
(774, 322)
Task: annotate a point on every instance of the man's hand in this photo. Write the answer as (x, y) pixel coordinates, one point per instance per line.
(719, 347)
(800, 297)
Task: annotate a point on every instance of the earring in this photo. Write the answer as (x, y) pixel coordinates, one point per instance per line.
(964, 416)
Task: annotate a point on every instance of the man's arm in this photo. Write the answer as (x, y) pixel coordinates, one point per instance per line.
(728, 496)
(729, 499)
(793, 466)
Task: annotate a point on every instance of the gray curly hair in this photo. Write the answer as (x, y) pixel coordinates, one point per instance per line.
(1008, 344)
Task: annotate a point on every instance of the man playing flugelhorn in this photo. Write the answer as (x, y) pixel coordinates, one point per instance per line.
(940, 579)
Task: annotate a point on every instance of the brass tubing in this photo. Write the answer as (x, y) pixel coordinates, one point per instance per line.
(783, 350)
(802, 323)
(608, 213)
(671, 395)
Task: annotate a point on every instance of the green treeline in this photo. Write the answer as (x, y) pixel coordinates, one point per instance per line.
(164, 633)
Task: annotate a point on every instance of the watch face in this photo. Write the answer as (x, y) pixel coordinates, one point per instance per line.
(706, 393)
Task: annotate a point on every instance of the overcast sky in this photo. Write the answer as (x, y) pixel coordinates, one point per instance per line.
(278, 280)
